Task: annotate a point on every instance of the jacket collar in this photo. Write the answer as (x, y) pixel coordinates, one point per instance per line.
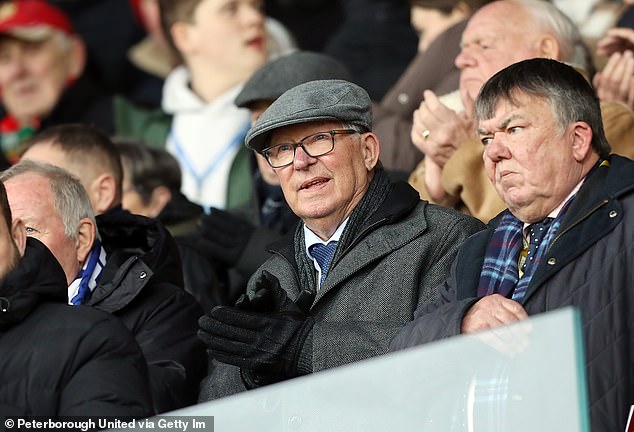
(139, 250)
(595, 212)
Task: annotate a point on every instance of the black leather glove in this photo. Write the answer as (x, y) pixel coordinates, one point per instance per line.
(264, 343)
(268, 296)
(263, 334)
(224, 236)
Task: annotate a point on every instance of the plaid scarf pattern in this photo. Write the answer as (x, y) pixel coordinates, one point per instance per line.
(499, 271)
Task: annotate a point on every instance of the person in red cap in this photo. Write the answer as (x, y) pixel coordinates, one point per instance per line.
(42, 80)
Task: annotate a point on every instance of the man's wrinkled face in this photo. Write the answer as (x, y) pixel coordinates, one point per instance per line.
(33, 75)
(495, 37)
(528, 158)
(327, 187)
(31, 200)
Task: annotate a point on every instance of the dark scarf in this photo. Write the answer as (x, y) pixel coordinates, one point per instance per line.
(378, 190)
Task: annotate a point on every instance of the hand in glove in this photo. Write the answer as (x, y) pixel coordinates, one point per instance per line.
(268, 296)
(263, 334)
(224, 236)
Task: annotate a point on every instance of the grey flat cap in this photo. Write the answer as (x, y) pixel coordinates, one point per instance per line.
(274, 78)
(313, 101)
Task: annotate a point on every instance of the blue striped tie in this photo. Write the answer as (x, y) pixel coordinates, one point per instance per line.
(323, 255)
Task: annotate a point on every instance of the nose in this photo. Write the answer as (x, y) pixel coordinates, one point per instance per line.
(496, 149)
(15, 66)
(302, 159)
(464, 59)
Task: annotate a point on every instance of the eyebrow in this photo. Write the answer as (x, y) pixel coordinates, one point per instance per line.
(502, 125)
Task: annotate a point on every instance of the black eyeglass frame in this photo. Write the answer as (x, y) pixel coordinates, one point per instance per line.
(332, 134)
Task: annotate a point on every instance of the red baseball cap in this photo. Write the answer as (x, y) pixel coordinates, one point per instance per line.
(32, 19)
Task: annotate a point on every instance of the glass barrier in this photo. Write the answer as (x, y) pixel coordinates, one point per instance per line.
(528, 376)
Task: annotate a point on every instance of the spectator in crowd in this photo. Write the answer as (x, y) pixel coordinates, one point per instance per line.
(238, 240)
(42, 75)
(367, 254)
(496, 36)
(549, 160)
(151, 187)
(126, 265)
(440, 24)
(88, 154)
(220, 46)
(60, 360)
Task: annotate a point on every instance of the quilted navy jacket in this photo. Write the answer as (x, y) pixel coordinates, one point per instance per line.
(589, 265)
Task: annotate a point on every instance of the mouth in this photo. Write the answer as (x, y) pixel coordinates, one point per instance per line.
(256, 43)
(313, 183)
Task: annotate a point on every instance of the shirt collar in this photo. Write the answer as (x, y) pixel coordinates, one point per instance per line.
(310, 238)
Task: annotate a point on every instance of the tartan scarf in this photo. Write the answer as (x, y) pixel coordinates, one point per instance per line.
(500, 272)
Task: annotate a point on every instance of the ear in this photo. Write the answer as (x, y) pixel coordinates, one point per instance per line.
(370, 149)
(102, 193)
(85, 239)
(581, 141)
(18, 233)
(77, 58)
(160, 197)
(548, 47)
(182, 36)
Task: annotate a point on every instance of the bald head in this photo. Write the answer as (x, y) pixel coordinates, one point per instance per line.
(507, 31)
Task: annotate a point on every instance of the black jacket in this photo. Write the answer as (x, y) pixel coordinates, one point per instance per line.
(588, 265)
(142, 285)
(59, 360)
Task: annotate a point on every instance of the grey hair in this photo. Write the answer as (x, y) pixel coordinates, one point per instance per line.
(551, 19)
(355, 127)
(570, 96)
(69, 196)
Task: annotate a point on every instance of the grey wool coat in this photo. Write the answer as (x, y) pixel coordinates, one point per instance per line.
(373, 288)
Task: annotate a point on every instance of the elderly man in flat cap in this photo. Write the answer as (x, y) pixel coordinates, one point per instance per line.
(366, 255)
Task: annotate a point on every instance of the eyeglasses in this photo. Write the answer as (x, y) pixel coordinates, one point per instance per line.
(314, 145)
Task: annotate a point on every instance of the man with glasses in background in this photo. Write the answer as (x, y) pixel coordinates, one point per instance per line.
(367, 253)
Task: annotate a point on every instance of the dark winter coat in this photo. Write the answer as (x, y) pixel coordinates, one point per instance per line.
(142, 284)
(588, 265)
(60, 360)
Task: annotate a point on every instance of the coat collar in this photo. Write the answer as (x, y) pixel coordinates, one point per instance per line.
(595, 212)
(37, 278)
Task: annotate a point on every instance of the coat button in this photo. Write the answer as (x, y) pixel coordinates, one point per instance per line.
(142, 275)
(552, 261)
(403, 98)
(613, 213)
